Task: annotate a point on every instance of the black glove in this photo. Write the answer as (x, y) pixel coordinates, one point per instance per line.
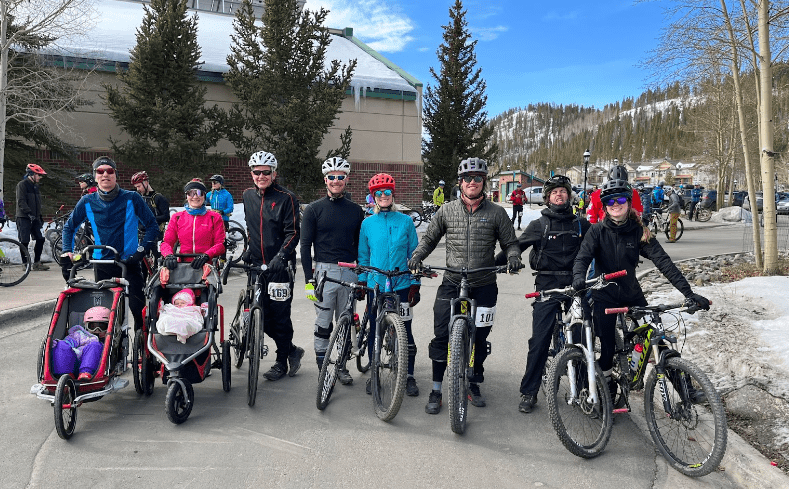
(200, 261)
(135, 258)
(579, 283)
(413, 295)
(246, 257)
(361, 294)
(415, 264)
(170, 261)
(277, 264)
(700, 300)
(514, 264)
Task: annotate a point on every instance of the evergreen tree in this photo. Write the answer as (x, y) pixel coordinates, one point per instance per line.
(161, 104)
(288, 96)
(454, 109)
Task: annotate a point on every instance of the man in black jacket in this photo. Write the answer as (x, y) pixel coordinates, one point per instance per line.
(28, 213)
(272, 217)
(555, 239)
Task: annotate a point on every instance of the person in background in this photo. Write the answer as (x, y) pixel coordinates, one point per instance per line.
(518, 198)
(157, 202)
(674, 208)
(28, 213)
(695, 199)
(219, 199)
(596, 213)
(86, 183)
(658, 196)
(438, 194)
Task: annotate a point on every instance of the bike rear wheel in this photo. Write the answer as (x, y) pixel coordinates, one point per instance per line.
(583, 427)
(14, 262)
(692, 436)
(238, 330)
(415, 216)
(336, 353)
(255, 342)
(680, 229)
(557, 345)
(235, 243)
(457, 370)
(703, 214)
(391, 364)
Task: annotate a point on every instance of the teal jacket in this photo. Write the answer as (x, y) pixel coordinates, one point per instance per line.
(386, 241)
(220, 200)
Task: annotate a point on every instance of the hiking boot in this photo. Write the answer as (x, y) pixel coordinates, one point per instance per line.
(433, 403)
(612, 386)
(369, 387)
(344, 376)
(475, 396)
(527, 403)
(277, 371)
(410, 387)
(294, 360)
(39, 267)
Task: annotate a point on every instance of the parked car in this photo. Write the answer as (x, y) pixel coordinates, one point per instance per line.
(782, 207)
(759, 202)
(709, 200)
(534, 195)
(738, 198)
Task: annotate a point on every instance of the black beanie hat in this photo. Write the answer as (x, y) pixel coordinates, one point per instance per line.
(104, 160)
(195, 184)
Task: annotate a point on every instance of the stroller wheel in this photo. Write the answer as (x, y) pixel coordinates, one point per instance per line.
(226, 366)
(65, 410)
(179, 400)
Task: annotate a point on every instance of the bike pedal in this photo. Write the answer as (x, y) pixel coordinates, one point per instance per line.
(621, 411)
(264, 351)
(488, 347)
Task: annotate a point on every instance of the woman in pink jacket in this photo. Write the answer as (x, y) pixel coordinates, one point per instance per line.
(195, 228)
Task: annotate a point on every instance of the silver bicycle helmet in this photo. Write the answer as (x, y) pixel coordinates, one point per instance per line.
(472, 165)
(336, 163)
(263, 158)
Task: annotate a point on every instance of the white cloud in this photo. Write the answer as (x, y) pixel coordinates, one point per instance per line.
(381, 26)
(487, 33)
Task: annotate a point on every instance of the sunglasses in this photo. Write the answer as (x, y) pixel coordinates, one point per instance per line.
(618, 200)
(386, 192)
(336, 177)
(108, 171)
(473, 178)
(265, 173)
(194, 193)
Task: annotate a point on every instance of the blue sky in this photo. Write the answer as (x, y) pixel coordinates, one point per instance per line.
(559, 51)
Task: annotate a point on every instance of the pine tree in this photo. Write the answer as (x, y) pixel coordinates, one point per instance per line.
(161, 104)
(454, 108)
(288, 96)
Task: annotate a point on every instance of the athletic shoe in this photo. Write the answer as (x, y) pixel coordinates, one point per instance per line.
(475, 396)
(84, 376)
(344, 377)
(369, 388)
(39, 267)
(410, 387)
(527, 403)
(433, 403)
(294, 360)
(612, 387)
(277, 371)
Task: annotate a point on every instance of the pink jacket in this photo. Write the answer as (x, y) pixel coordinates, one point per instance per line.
(197, 234)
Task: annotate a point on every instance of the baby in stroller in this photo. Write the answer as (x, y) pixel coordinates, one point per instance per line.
(181, 317)
(80, 351)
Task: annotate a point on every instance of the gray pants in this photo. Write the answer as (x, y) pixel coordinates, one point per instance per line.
(335, 299)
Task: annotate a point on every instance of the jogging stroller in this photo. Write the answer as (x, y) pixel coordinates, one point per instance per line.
(58, 378)
(183, 364)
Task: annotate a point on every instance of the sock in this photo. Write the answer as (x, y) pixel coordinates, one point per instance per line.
(437, 386)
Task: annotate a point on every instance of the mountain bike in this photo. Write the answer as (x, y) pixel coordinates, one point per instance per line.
(462, 333)
(82, 239)
(15, 262)
(683, 410)
(659, 224)
(578, 400)
(390, 354)
(54, 227)
(247, 328)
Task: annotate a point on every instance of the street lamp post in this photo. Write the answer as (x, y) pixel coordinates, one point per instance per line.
(587, 154)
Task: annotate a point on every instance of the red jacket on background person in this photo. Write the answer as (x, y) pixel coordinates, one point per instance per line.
(518, 197)
(596, 213)
(197, 234)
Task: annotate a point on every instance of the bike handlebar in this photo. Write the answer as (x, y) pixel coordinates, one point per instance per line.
(245, 266)
(388, 273)
(427, 270)
(682, 306)
(569, 289)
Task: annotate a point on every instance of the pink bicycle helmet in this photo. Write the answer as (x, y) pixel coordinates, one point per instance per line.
(97, 314)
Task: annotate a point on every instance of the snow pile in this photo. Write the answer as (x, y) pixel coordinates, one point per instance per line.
(731, 214)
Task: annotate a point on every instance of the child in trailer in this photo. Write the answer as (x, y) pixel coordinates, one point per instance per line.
(80, 351)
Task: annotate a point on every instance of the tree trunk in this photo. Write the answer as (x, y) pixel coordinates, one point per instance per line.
(3, 87)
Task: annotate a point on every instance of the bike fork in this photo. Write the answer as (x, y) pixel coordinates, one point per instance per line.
(590, 371)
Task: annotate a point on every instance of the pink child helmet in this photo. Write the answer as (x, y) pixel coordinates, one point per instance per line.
(98, 314)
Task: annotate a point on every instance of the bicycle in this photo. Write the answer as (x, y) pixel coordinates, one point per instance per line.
(462, 333)
(247, 328)
(55, 226)
(15, 263)
(82, 239)
(684, 413)
(390, 354)
(658, 224)
(578, 400)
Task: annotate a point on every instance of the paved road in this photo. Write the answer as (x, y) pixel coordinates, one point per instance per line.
(284, 441)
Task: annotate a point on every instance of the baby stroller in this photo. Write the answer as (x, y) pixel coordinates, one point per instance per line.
(65, 391)
(184, 364)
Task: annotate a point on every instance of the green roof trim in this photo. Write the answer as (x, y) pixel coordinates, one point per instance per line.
(348, 34)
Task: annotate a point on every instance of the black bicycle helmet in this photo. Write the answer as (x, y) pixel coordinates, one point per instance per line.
(556, 181)
(87, 178)
(618, 172)
(218, 178)
(616, 188)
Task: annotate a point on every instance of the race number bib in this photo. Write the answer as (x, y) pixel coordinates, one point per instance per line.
(485, 316)
(520, 214)
(279, 291)
(405, 311)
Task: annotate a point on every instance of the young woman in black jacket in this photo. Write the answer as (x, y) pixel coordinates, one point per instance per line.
(615, 244)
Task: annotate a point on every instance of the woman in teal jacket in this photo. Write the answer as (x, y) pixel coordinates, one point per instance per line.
(219, 199)
(386, 241)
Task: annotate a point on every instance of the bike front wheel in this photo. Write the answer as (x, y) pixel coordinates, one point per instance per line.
(457, 369)
(703, 215)
(692, 434)
(255, 342)
(680, 229)
(14, 262)
(391, 364)
(336, 353)
(235, 244)
(583, 426)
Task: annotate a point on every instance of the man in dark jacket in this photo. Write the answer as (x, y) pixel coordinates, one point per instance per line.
(28, 213)
(330, 234)
(555, 239)
(272, 217)
(472, 225)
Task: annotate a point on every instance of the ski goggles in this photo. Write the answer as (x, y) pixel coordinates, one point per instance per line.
(195, 192)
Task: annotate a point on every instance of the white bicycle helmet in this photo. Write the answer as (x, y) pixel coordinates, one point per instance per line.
(336, 163)
(263, 158)
(472, 165)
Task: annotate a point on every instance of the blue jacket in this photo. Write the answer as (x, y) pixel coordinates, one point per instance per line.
(220, 200)
(114, 223)
(386, 241)
(657, 196)
(695, 195)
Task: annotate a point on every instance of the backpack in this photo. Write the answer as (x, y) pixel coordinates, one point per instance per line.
(545, 224)
(681, 200)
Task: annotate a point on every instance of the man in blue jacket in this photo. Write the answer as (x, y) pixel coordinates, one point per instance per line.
(114, 214)
(695, 198)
